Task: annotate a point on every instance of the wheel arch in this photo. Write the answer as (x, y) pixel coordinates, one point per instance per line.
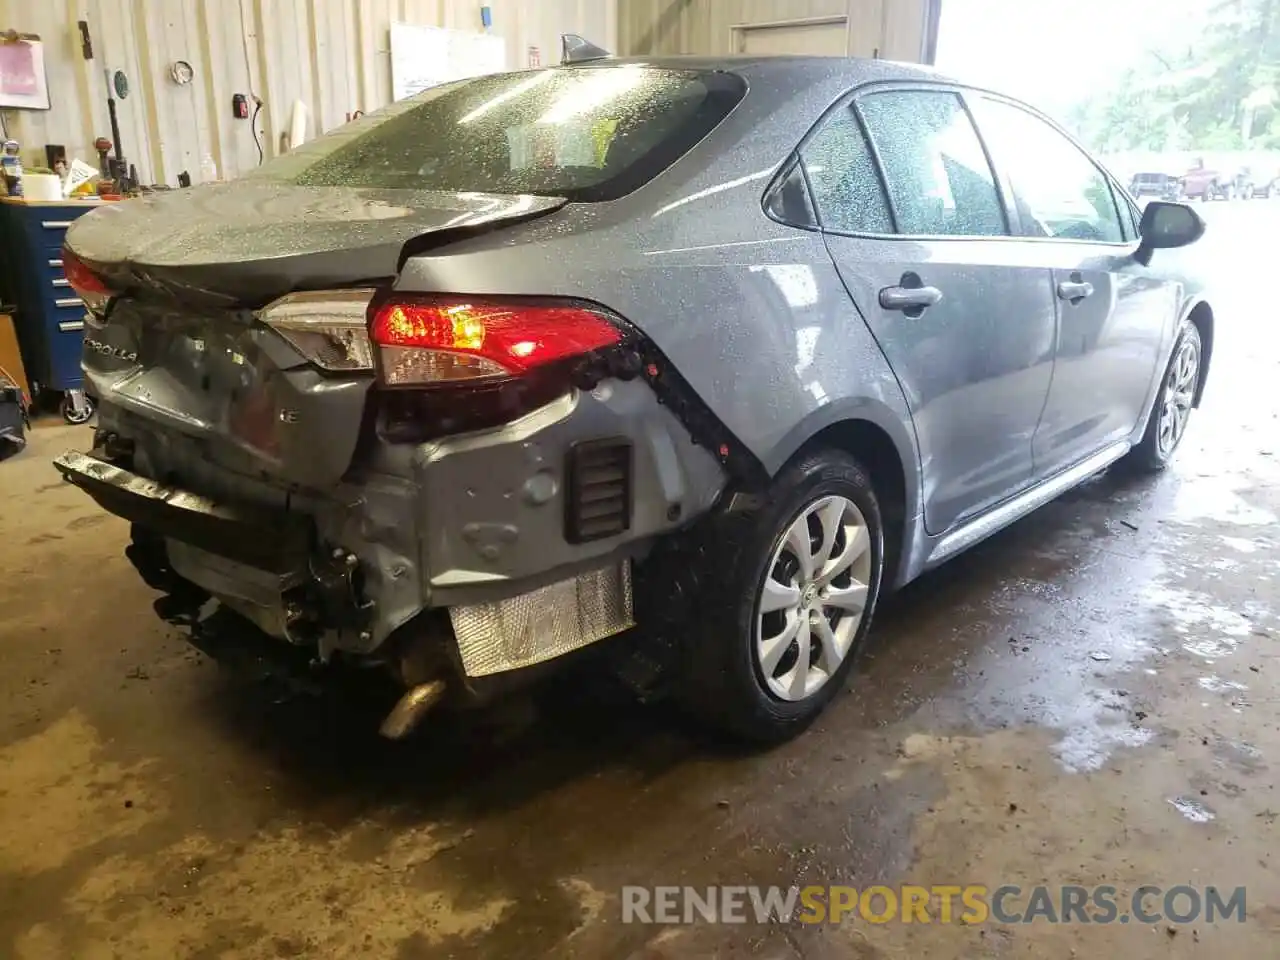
(884, 445)
(1201, 314)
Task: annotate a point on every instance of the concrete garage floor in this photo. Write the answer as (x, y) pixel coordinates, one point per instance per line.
(150, 806)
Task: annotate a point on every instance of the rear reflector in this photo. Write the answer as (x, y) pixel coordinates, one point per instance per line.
(440, 340)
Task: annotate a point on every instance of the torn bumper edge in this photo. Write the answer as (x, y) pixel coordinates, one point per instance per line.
(265, 539)
(514, 600)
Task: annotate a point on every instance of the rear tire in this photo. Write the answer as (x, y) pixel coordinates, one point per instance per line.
(1167, 424)
(763, 607)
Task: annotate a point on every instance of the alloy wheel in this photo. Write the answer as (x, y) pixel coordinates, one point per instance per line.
(813, 598)
(1178, 395)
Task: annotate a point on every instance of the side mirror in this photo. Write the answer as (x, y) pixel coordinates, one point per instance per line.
(1165, 226)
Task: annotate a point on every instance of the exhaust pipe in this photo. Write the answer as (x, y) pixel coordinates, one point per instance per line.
(412, 707)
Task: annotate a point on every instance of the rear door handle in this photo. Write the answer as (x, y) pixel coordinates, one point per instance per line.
(1074, 290)
(909, 298)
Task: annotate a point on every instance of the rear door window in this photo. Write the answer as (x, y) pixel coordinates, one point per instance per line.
(842, 174)
(940, 183)
(588, 133)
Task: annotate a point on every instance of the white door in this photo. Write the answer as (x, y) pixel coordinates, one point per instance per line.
(806, 39)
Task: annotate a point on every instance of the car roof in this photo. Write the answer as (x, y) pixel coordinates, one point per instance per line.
(855, 69)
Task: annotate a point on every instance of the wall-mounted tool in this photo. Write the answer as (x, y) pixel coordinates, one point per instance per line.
(118, 84)
(86, 45)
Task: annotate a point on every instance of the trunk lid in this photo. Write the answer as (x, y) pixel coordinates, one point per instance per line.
(244, 243)
(183, 366)
(210, 386)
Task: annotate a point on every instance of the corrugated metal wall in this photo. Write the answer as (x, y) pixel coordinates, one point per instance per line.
(891, 29)
(331, 54)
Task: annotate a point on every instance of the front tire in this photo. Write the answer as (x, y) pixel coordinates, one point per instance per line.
(1167, 424)
(786, 611)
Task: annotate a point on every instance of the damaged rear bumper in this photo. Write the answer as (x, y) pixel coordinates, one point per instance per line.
(267, 539)
(262, 563)
(472, 555)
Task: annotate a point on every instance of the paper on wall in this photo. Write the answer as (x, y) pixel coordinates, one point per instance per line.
(423, 57)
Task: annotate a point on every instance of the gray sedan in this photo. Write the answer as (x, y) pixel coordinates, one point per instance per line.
(707, 354)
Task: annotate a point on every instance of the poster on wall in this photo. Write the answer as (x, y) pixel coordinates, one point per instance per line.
(23, 84)
(423, 57)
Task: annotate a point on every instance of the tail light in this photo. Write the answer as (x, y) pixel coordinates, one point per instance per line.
(88, 286)
(453, 364)
(450, 364)
(328, 327)
(437, 341)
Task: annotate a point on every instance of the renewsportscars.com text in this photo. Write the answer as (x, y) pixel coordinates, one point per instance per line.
(971, 904)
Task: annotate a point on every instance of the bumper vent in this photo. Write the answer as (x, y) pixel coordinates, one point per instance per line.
(598, 498)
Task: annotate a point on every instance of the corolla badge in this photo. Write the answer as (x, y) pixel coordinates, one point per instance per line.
(106, 350)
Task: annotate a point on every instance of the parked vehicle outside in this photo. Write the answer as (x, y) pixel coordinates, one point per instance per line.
(1265, 183)
(1242, 184)
(702, 355)
(1206, 183)
(1161, 186)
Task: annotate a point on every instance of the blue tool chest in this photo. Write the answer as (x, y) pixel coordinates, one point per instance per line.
(50, 317)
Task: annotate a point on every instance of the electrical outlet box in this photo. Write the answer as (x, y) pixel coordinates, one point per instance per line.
(240, 106)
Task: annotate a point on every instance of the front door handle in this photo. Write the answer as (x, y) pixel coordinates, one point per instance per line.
(909, 298)
(1075, 289)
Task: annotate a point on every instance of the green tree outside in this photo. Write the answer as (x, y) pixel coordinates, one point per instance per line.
(1219, 93)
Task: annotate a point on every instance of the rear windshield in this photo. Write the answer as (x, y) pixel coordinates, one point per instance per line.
(586, 133)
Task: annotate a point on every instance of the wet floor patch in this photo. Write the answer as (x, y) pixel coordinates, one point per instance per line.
(1192, 809)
